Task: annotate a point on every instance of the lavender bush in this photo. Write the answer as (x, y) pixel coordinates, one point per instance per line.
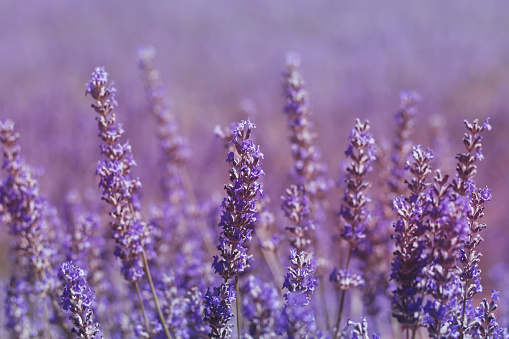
(393, 251)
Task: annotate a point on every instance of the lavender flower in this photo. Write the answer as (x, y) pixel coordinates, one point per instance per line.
(402, 144)
(77, 298)
(261, 308)
(464, 186)
(360, 330)
(17, 309)
(298, 319)
(119, 191)
(354, 212)
(172, 144)
(218, 310)
(300, 276)
(409, 262)
(309, 170)
(297, 208)
(239, 207)
(487, 326)
(118, 187)
(239, 210)
(28, 215)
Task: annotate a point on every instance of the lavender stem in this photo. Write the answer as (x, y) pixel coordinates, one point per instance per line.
(143, 312)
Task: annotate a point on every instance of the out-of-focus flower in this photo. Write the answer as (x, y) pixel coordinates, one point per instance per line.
(77, 297)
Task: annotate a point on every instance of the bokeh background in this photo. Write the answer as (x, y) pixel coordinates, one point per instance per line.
(215, 55)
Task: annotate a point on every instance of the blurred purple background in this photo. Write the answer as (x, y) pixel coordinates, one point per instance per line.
(356, 57)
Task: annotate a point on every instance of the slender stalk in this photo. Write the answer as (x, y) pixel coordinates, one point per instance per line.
(202, 227)
(277, 272)
(237, 301)
(143, 312)
(151, 283)
(56, 308)
(46, 320)
(463, 309)
(61, 322)
(154, 295)
(322, 287)
(343, 293)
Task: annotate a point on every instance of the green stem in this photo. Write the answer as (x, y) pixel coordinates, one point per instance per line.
(142, 307)
(154, 296)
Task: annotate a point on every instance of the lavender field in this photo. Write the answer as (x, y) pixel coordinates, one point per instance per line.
(262, 169)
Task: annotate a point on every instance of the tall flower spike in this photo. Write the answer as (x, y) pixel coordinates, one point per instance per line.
(218, 310)
(408, 263)
(402, 144)
(309, 170)
(172, 144)
(261, 308)
(296, 206)
(27, 215)
(354, 212)
(114, 172)
(446, 228)
(77, 297)
(119, 189)
(464, 186)
(239, 209)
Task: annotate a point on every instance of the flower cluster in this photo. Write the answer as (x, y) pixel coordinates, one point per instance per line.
(310, 171)
(114, 172)
(33, 247)
(465, 187)
(239, 209)
(77, 298)
(360, 330)
(354, 211)
(218, 310)
(261, 308)
(409, 261)
(296, 206)
(402, 143)
(422, 283)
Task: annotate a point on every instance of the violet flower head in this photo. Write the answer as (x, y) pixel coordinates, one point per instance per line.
(409, 261)
(114, 172)
(309, 170)
(402, 146)
(464, 188)
(172, 144)
(261, 308)
(77, 297)
(360, 330)
(239, 208)
(300, 276)
(17, 315)
(466, 168)
(486, 322)
(346, 279)
(354, 211)
(297, 207)
(218, 310)
(298, 318)
(409, 100)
